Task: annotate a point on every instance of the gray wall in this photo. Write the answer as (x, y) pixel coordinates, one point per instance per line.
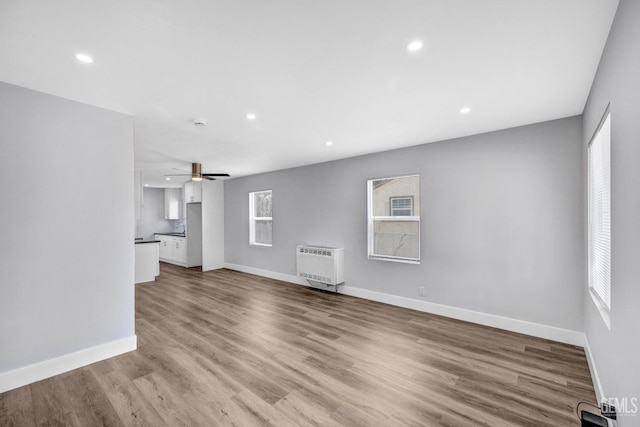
(66, 257)
(152, 220)
(502, 227)
(616, 351)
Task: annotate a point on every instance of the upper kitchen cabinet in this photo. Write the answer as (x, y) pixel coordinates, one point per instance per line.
(172, 203)
(193, 192)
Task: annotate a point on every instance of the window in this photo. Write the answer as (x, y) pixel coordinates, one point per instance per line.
(401, 206)
(599, 227)
(260, 218)
(394, 219)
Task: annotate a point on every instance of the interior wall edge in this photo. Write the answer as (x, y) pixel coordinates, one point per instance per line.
(552, 333)
(25, 375)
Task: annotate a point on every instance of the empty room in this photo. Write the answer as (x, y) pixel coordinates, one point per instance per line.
(320, 213)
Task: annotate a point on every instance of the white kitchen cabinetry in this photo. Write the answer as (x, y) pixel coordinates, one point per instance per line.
(147, 267)
(172, 249)
(165, 247)
(180, 250)
(193, 192)
(172, 203)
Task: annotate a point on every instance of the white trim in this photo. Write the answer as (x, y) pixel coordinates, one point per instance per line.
(506, 323)
(597, 385)
(58, 365)
(394, 259)
(398, 218)
(602, 308)
(171, 261)
(261, 245)
(514, 325)
(266, 273)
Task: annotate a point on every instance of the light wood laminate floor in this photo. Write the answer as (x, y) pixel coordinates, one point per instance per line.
(231, 349)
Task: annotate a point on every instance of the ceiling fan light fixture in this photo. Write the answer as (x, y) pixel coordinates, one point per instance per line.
(196, 172)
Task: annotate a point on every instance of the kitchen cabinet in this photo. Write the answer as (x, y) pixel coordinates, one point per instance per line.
(173, 249)
(165, 247)
(146, 266)
(193, 192)
(179, 250)
(172, 203)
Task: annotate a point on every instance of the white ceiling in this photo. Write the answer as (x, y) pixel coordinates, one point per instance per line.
(311, 70)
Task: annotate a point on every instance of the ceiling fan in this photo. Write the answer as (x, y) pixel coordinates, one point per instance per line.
(197, 175)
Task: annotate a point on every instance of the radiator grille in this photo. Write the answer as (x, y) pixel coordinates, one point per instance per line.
(310, 276)
(314, 250)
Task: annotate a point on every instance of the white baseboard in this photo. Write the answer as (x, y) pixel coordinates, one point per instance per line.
(48, 368)
(597, 385)
(508, 324)
(266, 273)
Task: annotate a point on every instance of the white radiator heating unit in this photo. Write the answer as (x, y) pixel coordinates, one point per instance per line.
(321, 264)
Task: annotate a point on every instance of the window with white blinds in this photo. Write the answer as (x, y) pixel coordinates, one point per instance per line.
(600, 212)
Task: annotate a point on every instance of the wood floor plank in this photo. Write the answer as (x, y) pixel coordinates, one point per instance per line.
(51, 403)
(306, 410)
(131, 406)
(16, 408)
(225, 348)
(88, 400)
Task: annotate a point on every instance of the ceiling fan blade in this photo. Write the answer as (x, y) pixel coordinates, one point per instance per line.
(215, 174)
(181, 174)
(208, 177)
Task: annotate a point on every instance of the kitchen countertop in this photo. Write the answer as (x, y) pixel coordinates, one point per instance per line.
(138, 241)
(172, 234)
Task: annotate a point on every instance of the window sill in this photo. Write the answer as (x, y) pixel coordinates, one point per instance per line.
(400, 260)
(260, 245)
(604, 311)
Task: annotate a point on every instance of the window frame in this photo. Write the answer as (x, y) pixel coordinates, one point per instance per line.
(594, 244)
(371, 219)
(391, 209)
(253, 219)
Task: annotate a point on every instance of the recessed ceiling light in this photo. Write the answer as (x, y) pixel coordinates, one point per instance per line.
(414, 46)
(146, 185)
(251, 116)
(168, 179)
(465, 110)
(328, 143)
(83, 57)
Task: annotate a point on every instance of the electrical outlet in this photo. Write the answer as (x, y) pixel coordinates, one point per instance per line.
(422, 292)
(608, 411)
